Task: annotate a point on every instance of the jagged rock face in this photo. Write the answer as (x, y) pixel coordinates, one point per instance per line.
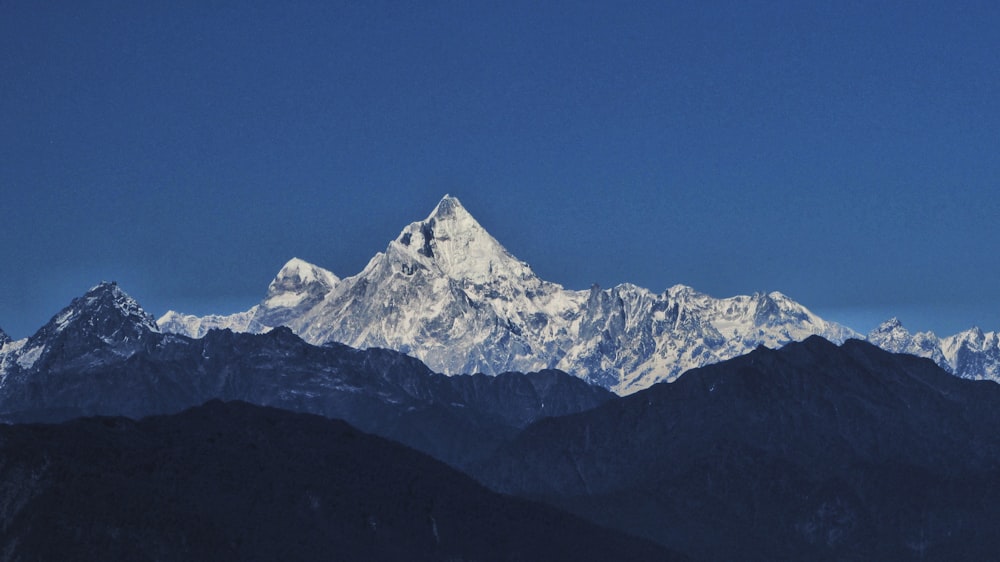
(105, 322)
(632, 338)
(103, 355)
(976, 354)
(297, 288)
(972, 354)
(448, 293)
(174, 322)
(4, 338)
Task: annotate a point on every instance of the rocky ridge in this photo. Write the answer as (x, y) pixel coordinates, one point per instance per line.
(448, 293)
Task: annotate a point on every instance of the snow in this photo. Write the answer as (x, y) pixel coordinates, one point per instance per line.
(197, 326)
(10, 351)
(304, 273)
(460, 247)
(971, 354)
(303, 270)
(13, 346)
(285, 300)
(448, 293)
(63, 319)
(27, 359)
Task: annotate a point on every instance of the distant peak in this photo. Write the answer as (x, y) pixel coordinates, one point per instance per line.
(449, 208)
(107, 292)
(974, 332)
(890, 325)
(678, 290)
(891, 335)
(105, 286)
(304, 271)
(108, 296)
(105, 310)
(295, 264)
(4, 338)
(298, 284)
(454, 241)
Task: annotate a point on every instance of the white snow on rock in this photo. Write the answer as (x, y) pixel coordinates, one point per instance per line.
(972, 354)
(448, 293)
(197, 326)
(297, 288)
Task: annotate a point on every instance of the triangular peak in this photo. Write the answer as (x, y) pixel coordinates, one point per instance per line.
(105, 319)
(451, 239)
(450, 215)
(102, 302)
(449, 207)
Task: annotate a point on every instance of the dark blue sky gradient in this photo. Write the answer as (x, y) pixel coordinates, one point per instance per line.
(844, 153)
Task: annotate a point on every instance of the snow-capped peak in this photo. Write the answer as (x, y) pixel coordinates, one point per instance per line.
(104, 320)
(454, 242)
(450, 294)
(104, 301)
(890, 325)
(303, 272)
(297, 287)
(4, 338)
(891, 335)
(975, 333)
(679, 291)
(296, 282)
(449, 206)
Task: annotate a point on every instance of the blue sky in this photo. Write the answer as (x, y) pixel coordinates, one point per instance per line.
(843, 153)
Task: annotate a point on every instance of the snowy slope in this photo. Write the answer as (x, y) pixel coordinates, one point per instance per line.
(450, 294)
(972, 354)
(296, 289)
(632, 338)
(197, 326)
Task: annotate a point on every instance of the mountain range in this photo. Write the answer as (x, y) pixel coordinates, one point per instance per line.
(240, 482)
(103, 355)
(445, 291)
(810, 452)
(972, 354)
(768, 448)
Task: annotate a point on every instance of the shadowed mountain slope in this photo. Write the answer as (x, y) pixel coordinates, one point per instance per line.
(813, 451)
(103, 355)
(231, 481)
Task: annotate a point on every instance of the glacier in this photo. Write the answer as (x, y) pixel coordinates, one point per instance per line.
(448, 293)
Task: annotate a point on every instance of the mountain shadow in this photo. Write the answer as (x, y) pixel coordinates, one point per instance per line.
(104, 355)
(232, 481)
(810, 452)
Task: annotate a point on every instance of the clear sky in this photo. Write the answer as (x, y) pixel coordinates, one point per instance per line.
(844, 153)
